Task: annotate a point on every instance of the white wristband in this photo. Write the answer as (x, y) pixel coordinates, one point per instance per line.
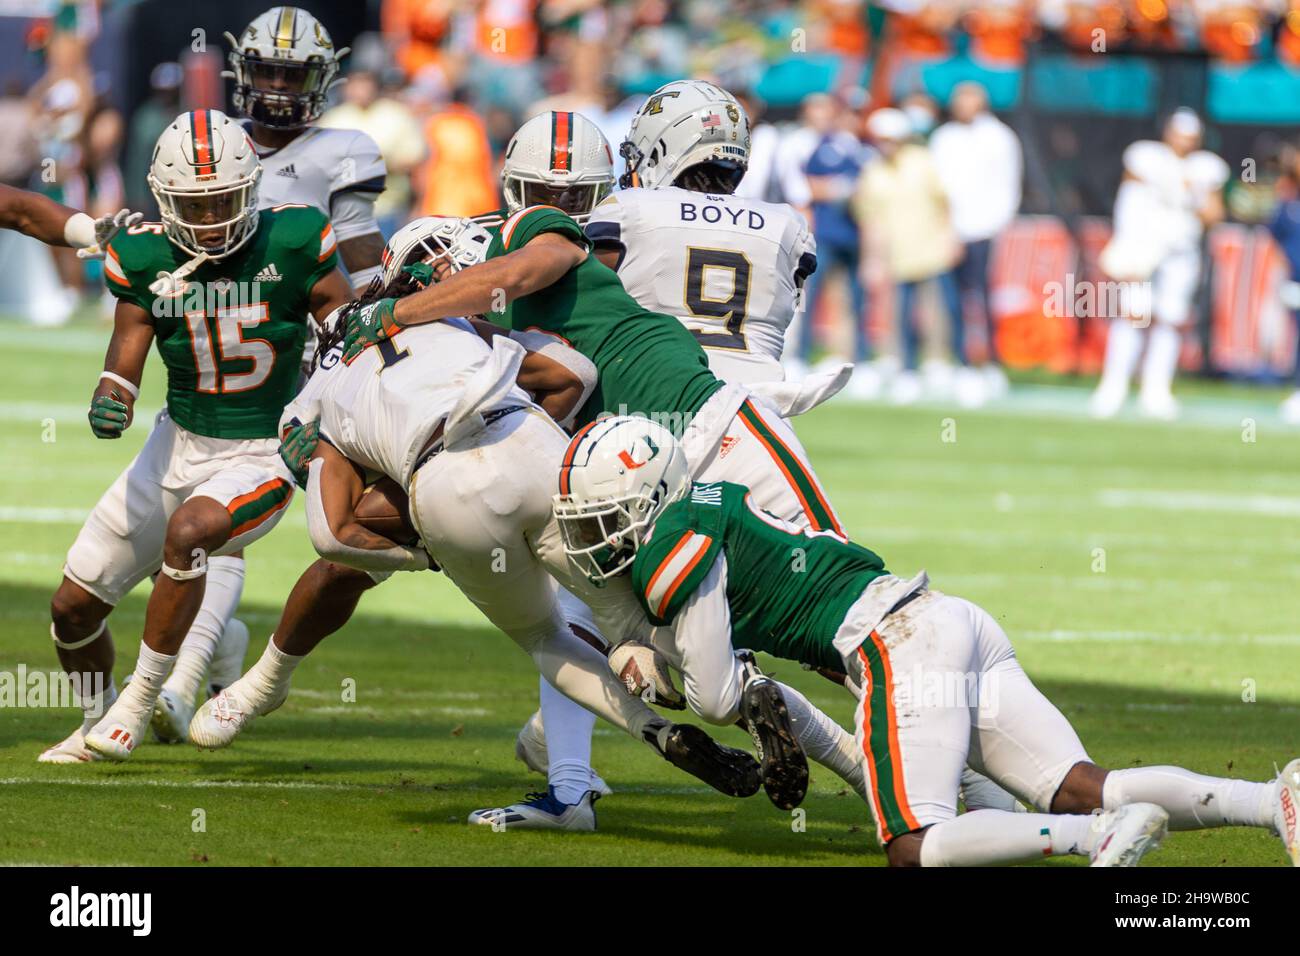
(79, 230)
(129, 386)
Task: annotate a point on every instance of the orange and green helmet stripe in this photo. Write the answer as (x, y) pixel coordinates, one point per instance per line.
(561, 141)
(201, 140)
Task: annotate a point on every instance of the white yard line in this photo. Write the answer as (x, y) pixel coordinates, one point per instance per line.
(1276, 506)
(1158, 637)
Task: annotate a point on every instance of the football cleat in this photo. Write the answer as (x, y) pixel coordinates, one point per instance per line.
(784, 765)
(119, 733)
(171, 718)
(1128, 834)
(1285, 803)
(530, 750)
(70, 750)
(541, 811)
(726, 769)
(221, 719)
(228, 661)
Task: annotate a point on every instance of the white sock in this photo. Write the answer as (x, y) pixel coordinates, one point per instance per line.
(269, 678)
(990, 837)
(1161, 362)
(225, 584)
(1123, 346)
(95, 705)
(151, 669)
(1192, 800)
(825, 741)
(568, 729)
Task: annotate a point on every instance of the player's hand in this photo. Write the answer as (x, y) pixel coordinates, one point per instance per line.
(108, 416)
(296, 448)
(368, 325)
(106, 228)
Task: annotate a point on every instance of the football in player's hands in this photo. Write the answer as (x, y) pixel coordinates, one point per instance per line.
(384, 510)
(645, 674)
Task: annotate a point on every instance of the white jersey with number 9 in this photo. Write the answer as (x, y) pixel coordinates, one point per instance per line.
(730, 269)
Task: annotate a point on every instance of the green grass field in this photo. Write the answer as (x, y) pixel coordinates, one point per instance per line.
(1150, 657)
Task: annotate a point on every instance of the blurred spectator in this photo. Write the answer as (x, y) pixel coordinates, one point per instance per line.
(416, 31)
(922, 112)
(980, 162)
(1285, 228)
(818, 116)
(1170, 192)
(902, 208)
(147, 123)
(503, 69)
(394, 128)
(764, 145)
(832, 172)
(458, 177)
(19, 151)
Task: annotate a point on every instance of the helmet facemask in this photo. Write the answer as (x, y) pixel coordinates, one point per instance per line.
(281, 93)
(214, 221)
(601, 536)
(578, 200)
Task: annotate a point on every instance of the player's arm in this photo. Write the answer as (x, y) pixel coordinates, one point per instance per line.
(334, 487)
(558, 377)
(361, 256)
(487, 287)
(701, 637)
(330, 292)
(42, 218)
(112, 407)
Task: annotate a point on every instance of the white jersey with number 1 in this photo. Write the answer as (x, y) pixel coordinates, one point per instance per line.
(381, 409)
(729, 268)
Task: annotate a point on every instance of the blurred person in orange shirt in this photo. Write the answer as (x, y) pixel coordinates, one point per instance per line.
(416, 31)
(457, 178)
(504, 69)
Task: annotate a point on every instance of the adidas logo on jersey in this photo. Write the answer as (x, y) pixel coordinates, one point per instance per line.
(287, 171)
(268, 274)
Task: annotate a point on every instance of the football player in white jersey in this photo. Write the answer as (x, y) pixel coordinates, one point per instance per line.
(446, 416)
(730, 269)
(283, 65)
(1171, 192)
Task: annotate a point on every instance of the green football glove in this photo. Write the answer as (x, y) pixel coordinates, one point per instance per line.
(108, 416)
(296, 448)
(368, 325)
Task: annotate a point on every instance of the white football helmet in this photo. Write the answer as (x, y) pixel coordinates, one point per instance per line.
(558, 159)
(459, 242)
(204, 176)
(283, 65)
(619, 474)
(683, 124)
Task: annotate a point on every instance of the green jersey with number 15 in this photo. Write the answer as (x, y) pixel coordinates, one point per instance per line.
(648, 363)
(232, 338)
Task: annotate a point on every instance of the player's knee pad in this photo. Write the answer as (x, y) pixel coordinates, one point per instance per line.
(185, 574)
(77, 644)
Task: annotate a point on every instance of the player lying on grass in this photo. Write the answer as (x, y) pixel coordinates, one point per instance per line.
(448, 418)
(209, 479)
(42, 218)
(936, 679)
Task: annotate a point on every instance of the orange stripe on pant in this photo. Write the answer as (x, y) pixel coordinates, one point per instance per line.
(894, 751)
(263, 489)
(790, 478)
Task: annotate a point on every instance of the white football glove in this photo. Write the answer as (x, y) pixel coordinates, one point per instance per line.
(645, 674)
(106, 228)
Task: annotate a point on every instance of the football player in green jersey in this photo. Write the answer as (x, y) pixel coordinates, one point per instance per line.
(225, 292)
(42, 218)
(936, 679)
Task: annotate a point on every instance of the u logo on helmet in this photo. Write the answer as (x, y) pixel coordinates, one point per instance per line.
(630, 462)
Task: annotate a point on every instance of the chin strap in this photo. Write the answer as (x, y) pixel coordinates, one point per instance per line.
(169, 283)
